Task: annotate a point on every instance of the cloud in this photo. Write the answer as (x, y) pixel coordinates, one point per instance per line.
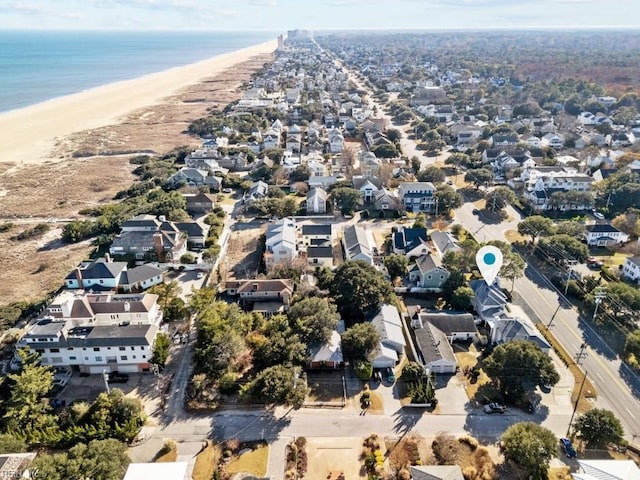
(263, 3)
(23, 8)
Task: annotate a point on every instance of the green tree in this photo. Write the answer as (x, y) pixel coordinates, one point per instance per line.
(348, 199)
(300, 174)
(598, 427)
(280, 345)
(562, 247)
(176, 310)
(535, 226)
(166, 292)
(499, 198)
(359, 341)
(571, 228)
(628, 222)
(412, 371)
(632, 345)
(278, 384)
(530, 446)
(386, 151)
(479, 177)
(314, 319)
(359, 288)
(111, 415)
(431, 174)
(9, 443)
(518, 366)
(396, 265)
(461, 298)
(458, 160)
(448, 199)
(99, 460)
(161, 349)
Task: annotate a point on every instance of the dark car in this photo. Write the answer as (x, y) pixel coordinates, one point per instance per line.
(390, 375)
(475, 211)
(57, 403)
(117, 377)
(567, 447)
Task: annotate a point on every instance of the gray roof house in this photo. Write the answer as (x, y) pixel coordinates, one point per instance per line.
(434, 350)
(327, 355)
(505, 329)
(101, 274)
(317, 200)
(358, 244)
(428, 273)
(195, 232)
(444, 242)
(436, 472)
(200, 202)
(388, 324)
(488, 301)
(455, 326)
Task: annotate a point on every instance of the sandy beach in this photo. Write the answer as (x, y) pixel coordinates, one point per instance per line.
(28, 135)
(62, 156)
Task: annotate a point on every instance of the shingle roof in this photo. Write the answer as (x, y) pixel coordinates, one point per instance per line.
(317, 229)
(437, 472)
(433, 344)
(113, 335)
(601, 228)
(276, 285)
(409, 238)
(449, 323)
(140, 274)
(319, 252)
(444, 241)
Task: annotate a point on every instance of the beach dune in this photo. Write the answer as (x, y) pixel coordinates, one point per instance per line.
(28, 135)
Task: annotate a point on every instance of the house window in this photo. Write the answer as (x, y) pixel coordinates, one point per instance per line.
(72, 358)
(98, 358)
(133, 348)
(123, 357)
(134, 357)
(54, 350)
(121, 348)
(96, 349)
(39, 350)
(144, 356)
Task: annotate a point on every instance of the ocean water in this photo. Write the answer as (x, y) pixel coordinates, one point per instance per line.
(39, 65)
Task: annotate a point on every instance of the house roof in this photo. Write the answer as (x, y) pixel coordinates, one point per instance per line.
(509, 329)
(142, 221)
(317, 192)
(634, 260)
(317, 229)
(100, 269)
(388, 324)
(200, 198)
(433, 344)
(276, 285)
(331, 351)
(357, 242)
(409, 238)
(319, 252)
(486, 295)
(406, 186)
(192, 229)
(436, 472)
(444, 241)
(449, 323)
(607, 470)
(112, 335)
(601, 228)
(359, 181)
(140, 274)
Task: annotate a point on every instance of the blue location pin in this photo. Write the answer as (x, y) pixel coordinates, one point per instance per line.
(489, 261)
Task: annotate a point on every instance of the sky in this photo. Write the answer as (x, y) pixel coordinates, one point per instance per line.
(280, 15)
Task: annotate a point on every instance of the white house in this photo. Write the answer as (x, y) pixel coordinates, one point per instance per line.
(553, 140)
(317, 200)
(607, 470)
(358, 244)
(604, 234)
(281, 242)
(388, 324)
(631, 269)
(417, 196)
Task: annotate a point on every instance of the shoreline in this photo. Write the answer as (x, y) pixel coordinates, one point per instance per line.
(28, 135)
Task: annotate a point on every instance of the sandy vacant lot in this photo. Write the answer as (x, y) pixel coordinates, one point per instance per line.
(87, 168)
(326, 455)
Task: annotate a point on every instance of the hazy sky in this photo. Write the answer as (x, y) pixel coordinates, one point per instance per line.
(276, 15)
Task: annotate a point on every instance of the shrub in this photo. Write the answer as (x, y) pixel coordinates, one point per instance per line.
(188, 258)
(228, 384)
(363, 370)
(470, 441)
(412, 371)
(404, 474)
(445, 449)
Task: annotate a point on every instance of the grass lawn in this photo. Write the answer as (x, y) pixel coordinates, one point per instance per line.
(167, 456)
(470, 359)
(206, 462)
(227, 199)
(513, 236)
(254, 462)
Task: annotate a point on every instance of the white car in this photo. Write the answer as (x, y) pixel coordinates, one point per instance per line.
(598, 215)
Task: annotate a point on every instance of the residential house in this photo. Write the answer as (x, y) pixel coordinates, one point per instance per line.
(417, 196)
(553, 140)
(505, 329)
(200, 203)
(321, 256)
(268, 297)
(358, 244)
(436, 472)
(455, 326)
(97, 332)
(367, 186)
(323, 182)
(444, 242)
(502, 140)
(16, 465)
(336, 141)
(604, 235)
(101, 274)
(141, 278)
(428, 273)
(195, 232)
(411, 242)
(388, 324)
(316, 235)
(533, 141)
(434, 350)
(144, 236)
(468, 138)
(606, 470)
(281, 242)
(488, 301)
(369, 164)
(195, 177)
(271, 139)
(631, 269)
(317, 200)
(328, 354)
(257, 191)
(386, 200)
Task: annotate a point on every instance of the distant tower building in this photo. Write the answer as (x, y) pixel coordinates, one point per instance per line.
(280, 42)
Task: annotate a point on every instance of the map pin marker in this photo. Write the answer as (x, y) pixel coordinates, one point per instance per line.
(489, 261)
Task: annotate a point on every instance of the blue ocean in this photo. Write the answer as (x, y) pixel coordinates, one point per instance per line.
(40, 65)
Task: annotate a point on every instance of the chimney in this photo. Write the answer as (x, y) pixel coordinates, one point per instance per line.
(107, 257)
(127, 307)
(162, 218)
(158, 245)
(78, 273)
(255, 287)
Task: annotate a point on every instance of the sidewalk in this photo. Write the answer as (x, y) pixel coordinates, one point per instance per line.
(277, 457)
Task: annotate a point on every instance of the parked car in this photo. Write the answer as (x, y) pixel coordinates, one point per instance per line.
(390, 375)
(567, 447)
(598, 215)
(117, 377)
(200, 275)
(57, 403)
(494, 408)
(227, 190)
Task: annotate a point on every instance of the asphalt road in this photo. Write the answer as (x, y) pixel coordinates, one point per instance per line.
(617, 386)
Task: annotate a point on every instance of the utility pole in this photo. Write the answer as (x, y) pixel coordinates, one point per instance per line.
(600, 295)
(550, 324)
(575, 405)
(582, 353)
(566, 287)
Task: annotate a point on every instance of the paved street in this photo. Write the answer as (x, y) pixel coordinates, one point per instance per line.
(618, 387)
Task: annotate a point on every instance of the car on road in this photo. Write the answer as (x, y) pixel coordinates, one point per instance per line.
(598, 215)
(494, 407)
(227, 190)
(117, 377)
(567, 447)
